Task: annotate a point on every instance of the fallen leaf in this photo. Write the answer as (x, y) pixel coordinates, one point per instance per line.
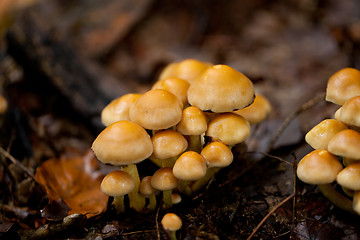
(76, 181)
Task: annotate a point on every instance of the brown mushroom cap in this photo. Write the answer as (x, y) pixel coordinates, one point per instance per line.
(145, 186)
(118, 109)
(168, 143)
(188, 69)
(217, 154)
(257, 111)
(164, 179)
(156, 109)
(229, 128)
(343, 85)
(318, 167)
(117, 183)
(122, 143)
(345, 143)
(176, 86)
(320, 135)
(171, 222)
(190, 166)
(193, 122)
(350, 112)
(221, 89)
(349, 177)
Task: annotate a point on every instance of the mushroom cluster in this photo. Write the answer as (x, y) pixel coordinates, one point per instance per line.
(336, 144)
(167, 125)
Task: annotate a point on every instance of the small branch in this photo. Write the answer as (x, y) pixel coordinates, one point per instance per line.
(269, 214)
(16, 162)
(157, 223)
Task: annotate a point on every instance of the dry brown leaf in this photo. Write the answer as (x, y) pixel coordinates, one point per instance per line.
(76, 181)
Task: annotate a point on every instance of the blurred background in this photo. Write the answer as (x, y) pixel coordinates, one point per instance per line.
(61, 62)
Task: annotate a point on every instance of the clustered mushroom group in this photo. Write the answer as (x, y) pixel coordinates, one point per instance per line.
(186, 125)
(337, 144)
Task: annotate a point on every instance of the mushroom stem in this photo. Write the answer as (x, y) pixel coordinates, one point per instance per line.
(167, 199)
(184, 187)
(197, 185)
(137, 201)
(336, 198)
(152, 202)
(195, 143)
(119, 204)
(171, 234)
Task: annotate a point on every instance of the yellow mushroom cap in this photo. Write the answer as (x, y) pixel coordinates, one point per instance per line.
(217, 154)
(229, 128)
(346, 143)
(337, 114)
(188, 69)
(193, 122)
(190, 166)
(257, 111)
(117, 183)
(164, 179)
(168, 143)
(221, 89)
(349, 177)
(145, 186)
(176, 86)
(318, 167)
(156, 109)
(320, 135)
(350, 112)
(171, 222)
(118, 109)
(343, 85)
(122, 143)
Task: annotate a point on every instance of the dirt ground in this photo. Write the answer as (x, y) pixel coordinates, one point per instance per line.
(61, 62)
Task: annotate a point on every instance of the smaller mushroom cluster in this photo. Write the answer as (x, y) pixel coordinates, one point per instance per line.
(335, 139)
(190, 102)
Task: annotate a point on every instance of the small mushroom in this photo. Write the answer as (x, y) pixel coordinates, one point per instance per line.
(156, 109)
(168, 145)
(221, 89)
(148, 191)
(190, 166)
(346, 143)
(343, 85)
(171, 223)
(320, 135)
(125, 143)
(349, 177)
(118, 109)
(165, 181)
(350, 112)
(321, 167)
(117, 184)
(257, 111)
(176, 86)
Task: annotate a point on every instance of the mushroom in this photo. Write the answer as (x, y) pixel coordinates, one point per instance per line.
(156, 109)
(320, 135)
(343, 85)
(346, 143)
(257, 111)
(190, 166)
(168, 145)
(165, 181)
(217, 155)
(321, 167)
(171, 223)
(228, 128)
(148, 191)
(176, 86)
(221, 88)
(188, 69)
(350, 112)
(117, 184)
(125, 143)
(356, 202)
(193, 124)
(349, 177)
(118, 109)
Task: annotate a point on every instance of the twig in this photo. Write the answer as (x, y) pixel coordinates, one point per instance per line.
(292, 116)
(294, 199)
(157, 223)
(16, 162)
(269, 214)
